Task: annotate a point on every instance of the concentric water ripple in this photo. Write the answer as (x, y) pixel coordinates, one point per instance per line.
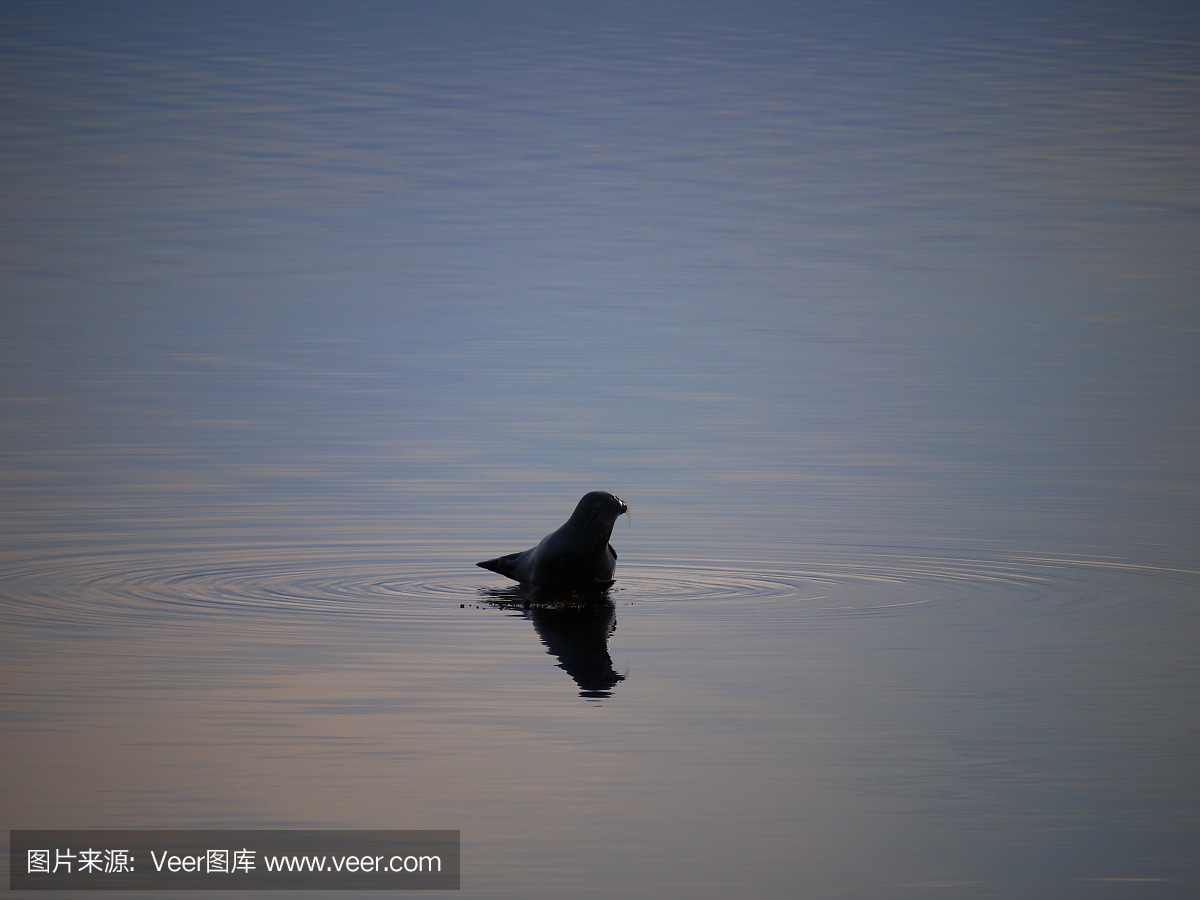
(245, 585)
(248, 586)
(842, 581)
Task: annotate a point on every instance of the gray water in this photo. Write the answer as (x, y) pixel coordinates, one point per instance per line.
(884, 321)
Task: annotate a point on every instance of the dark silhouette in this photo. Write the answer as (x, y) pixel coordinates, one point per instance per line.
(577, 555)
(574, 626)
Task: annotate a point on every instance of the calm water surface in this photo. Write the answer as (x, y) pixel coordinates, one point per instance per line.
(886, 329)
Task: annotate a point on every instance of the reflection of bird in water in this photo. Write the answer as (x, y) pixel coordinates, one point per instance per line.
(574, 628)
(577, 555)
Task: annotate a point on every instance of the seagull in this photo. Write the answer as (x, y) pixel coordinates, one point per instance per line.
(577, 555)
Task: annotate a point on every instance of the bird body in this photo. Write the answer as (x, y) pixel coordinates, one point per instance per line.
(576, 555)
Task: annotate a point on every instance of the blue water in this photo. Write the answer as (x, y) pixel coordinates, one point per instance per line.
(884, 324)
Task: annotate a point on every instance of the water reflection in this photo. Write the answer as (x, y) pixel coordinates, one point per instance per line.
(575, 627)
